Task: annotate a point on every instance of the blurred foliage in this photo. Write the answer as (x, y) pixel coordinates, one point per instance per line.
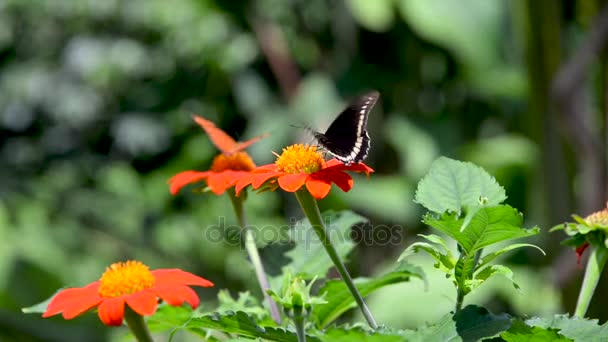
(95, 105)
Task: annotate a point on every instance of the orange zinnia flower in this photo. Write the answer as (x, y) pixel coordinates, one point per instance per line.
(301, 165)
(130, 283)
(226, 168)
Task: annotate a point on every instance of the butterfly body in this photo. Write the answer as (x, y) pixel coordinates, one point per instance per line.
(347, 138)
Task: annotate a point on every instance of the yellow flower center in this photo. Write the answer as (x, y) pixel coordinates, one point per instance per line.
(599, 218)
(239, 161)
(300, 158)
(125, 278)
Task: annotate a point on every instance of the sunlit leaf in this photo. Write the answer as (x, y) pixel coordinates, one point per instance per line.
(520, 332)
(577, 329)
(489, 225)
(452, 185)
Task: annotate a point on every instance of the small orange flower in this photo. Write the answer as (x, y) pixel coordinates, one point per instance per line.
(301, 165)
(229, 166)
(130, 283)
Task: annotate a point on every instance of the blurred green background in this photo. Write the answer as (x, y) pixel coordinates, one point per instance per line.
(96, 100)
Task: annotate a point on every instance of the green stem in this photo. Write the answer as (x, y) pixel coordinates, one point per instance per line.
(460, 291)
(254, 255)
(311, 210)
(299, 321)
(595, 265)
(137, 325)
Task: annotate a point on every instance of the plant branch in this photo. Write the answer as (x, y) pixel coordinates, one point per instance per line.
(593, 271)
(137, 325)
(311, 210)
(254, 256)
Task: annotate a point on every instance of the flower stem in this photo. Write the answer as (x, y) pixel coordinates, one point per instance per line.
(595, 265)
(254, 255)
(311, 210)
(137, 325)
(299, 322)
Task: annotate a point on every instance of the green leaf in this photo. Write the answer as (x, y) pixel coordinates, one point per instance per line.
(453, 185)
(441, 253)
(474, 323)
(444, 330)
(359, 334)
(520, 332)
(308, 258)
(577, 329)
(242, 324)
(489, 271)
(491, 256)
(339, 299)
(490, 225)
(245, 303)
(373, 15)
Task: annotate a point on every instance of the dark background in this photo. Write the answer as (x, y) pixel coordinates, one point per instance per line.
(96, 100)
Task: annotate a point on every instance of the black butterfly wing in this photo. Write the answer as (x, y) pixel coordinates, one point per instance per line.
(347, 138)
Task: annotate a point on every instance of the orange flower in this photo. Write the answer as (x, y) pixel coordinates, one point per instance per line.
(232, 164)
(301, 165)
(130, 283)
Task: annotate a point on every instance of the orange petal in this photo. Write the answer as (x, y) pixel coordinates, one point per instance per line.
(74, 301)
(112, 310)
(242, 183)
(342, 179)
(184, 178)
(292, 182)
(332, 162)
(175, 276)
(221, 181)
(177, 294)
(218, 137)
(318, 187)
(243, 145)
(258, 180)
(336, 165)
(143, 302)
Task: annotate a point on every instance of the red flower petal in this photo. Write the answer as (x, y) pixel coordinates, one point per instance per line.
(176, 276)
(292, 182)
(177, 294)
(257, 180)
(143, 302)
(112, 311)
(219, 182)
(332, 162)
(317, 186)
(184, 178)
(220, 139)
(339, 166)
(342, 179)
(265, 168)
(74, 301)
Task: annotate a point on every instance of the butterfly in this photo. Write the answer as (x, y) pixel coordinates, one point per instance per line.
(347, 138)
(223, 141)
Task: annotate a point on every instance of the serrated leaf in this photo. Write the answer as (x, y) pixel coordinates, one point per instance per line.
(577, 329)
(443, 330)
(491, 256)
(308, 258)
(490, 225)
(339, 299)
(452, 185)
(489, 271)
(474, 323)
(444, 259)
(242, 324)
(520, 332)
(359, 334)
